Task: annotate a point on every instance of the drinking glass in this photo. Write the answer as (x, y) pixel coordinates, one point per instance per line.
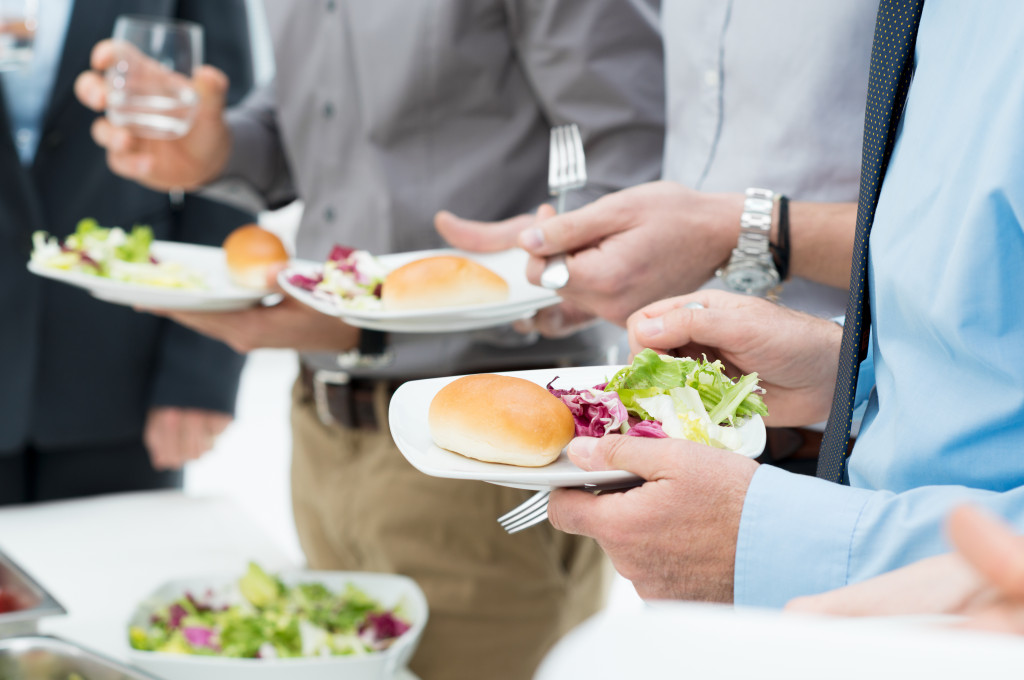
(150, 84)
(17, 33)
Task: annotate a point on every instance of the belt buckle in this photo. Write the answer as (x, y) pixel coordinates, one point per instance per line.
(321, 380)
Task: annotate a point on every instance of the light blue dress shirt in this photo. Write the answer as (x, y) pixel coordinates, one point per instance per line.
(27, 92)
(945, 418)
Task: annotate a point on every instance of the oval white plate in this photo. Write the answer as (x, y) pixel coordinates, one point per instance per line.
(411, 432)
(523, 299)
(219, 295)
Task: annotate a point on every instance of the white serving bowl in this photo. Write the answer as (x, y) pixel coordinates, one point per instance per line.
(388, 589)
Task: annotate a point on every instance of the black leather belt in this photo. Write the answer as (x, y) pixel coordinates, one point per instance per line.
(341, 399)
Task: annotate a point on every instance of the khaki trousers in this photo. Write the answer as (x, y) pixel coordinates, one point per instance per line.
(497, 602)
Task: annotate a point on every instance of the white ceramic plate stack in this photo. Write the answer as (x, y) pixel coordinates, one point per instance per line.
(524, 299)
(411, 432)
(209, 262)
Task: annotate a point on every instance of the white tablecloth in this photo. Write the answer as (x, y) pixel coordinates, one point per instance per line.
(100, 556)
(709, 642)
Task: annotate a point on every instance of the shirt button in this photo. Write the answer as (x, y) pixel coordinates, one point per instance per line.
(328, 214)
(330, 5)
(328, 110)
(711, 77)
(23, 137)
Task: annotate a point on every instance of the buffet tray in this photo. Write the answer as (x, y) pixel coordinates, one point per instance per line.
(41, 657)
(33, 599)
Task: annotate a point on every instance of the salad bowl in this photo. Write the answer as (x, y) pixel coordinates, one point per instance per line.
(30, 657)
(390, 590)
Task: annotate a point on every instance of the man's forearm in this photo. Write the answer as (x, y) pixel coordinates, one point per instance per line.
(821, 241)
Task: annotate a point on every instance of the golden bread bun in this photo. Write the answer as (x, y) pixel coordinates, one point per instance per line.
(251, 252)
(442, 281)
(500, 419)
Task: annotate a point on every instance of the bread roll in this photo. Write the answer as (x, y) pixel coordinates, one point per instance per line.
(251, 252)
(441, 281)
(500, 419)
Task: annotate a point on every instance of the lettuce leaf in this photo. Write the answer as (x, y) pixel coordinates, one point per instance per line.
(136, 245)
(652, 374)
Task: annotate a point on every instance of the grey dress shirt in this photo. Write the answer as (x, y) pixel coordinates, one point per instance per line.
(769, 94)
(383, 112)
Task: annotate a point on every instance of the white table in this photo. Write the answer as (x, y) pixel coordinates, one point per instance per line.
(685, 640)
(100, 556)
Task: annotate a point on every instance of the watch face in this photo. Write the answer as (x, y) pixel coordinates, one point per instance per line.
(751, 278)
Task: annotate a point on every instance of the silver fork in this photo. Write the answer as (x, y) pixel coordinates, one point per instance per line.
(567, 170)
(533, 510)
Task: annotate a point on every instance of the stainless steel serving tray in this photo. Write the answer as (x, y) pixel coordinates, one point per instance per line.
(40, 657)
(36, 602)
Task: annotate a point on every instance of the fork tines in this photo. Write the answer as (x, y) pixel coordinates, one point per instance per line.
(567, 167)
(532, 511)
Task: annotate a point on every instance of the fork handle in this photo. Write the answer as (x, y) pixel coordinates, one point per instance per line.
(561, 201)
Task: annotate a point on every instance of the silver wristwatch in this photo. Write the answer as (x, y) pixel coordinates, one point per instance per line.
(751, 268)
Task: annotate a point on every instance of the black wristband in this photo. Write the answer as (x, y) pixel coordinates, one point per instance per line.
(780, 250)
(372, 343)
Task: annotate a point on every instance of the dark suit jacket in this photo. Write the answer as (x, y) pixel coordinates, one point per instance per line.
(75, 371)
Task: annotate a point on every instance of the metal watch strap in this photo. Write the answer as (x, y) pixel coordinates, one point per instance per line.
(756, 222)
(751, 268)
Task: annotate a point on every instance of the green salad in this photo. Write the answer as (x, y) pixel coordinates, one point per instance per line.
(271, 620)
(661, 396)
(112, 253)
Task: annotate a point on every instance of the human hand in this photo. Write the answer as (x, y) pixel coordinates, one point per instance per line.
(795, 355)
(675, 536)
(635, 246)
(996, 554)
(477, 236)
(175, 436)
(161, 164)
(557, 321)
(944, 584)
(983, 580)
(288, 324)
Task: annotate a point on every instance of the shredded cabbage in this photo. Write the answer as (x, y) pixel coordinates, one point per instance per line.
(272, 620)
(112, 253)
(662, 396)
(351, 278)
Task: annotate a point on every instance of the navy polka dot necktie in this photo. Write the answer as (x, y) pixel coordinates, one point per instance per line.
(892, 65)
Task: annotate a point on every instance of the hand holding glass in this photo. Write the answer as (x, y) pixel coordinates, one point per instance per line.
(150, 83)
